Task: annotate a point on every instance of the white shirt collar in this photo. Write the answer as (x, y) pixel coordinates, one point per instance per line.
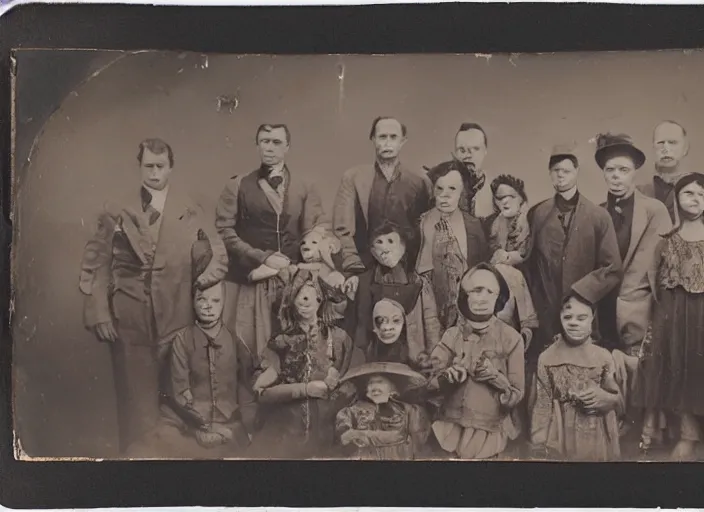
(158, 197)
(277, 170)
(569, 194)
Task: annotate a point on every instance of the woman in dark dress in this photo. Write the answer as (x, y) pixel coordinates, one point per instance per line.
(673, 361)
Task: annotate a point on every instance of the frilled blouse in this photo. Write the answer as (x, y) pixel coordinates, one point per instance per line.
(682, 264)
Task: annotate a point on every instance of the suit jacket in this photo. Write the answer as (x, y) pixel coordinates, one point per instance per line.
(123, 257)
(350, 214)
(586, 260)
(633, 305)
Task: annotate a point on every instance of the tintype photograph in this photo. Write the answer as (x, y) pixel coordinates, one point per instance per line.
(366, 257)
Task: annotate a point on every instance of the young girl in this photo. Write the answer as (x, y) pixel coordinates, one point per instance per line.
(452, 240)
(303, 368)
(378, 423)
(673, 366)
(575, 413)
(389, 342)
(480, 371)
(509, 235)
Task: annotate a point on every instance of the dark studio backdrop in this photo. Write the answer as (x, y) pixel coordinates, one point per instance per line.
(80, 119)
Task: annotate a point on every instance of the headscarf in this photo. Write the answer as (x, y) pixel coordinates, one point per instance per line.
(510, 234)
(501, 300)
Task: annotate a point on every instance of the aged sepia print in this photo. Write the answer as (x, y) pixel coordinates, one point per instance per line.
(396, 257)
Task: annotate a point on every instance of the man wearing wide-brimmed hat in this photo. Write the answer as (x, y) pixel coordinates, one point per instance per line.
(378, 423)
(573, 243)
(639, 222)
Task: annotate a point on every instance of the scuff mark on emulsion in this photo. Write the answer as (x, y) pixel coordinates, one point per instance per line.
(486, 56)
(228, 102)
(513, 58)
(341, 81)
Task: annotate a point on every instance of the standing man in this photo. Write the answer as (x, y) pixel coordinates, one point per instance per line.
(671, 147)
(471, 148)
(639, 222)
(371, 195)
(136, 279)
(573, 248)
(261, 216)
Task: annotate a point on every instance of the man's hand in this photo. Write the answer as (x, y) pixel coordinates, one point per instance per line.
(597, 399)
(317, 389)
(106, 332)
(350, 287)
(277, 261)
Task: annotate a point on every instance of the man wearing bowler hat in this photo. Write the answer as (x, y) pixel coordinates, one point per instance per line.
(573, 247)
(639, 222)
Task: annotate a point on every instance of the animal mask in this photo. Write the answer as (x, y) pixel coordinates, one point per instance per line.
(318, 245)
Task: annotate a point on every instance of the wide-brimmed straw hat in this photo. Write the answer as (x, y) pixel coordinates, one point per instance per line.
(402, 376)
(609, 144)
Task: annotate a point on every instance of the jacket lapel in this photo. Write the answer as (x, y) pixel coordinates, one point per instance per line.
(175, 210)
(363, 183)
(640, 222)
(139, 239)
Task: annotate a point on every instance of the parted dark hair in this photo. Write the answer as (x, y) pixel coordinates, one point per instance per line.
(465, 127)
(687, 179)
(156, 146)
(387, 227)
(555, 159)
(516, 184)
(372, 132)
(267, 127)
(576, 296)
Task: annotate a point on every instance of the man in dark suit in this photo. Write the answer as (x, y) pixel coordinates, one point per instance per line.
(671, 148)
(137, 284)
(373, 194)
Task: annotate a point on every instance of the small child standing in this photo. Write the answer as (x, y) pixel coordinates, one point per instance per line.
(578, 400)
(378, 423)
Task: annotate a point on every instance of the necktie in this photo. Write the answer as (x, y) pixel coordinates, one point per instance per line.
(153, 213)
(275, 182)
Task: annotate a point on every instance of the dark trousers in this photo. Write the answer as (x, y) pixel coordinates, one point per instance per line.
(135, 370)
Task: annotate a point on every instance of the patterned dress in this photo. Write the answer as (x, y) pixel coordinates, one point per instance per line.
(396, 429)
(673, 363)
(560, 424)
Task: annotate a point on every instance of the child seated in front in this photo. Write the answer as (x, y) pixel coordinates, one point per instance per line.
(575, 414)
(378, 425)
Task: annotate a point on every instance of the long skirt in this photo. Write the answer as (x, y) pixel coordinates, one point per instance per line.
(673, 371)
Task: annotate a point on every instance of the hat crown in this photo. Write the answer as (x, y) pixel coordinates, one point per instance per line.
(604, 140)
(563, 149)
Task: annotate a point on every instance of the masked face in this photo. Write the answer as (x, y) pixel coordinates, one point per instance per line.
(508, 200)
(620, 176)
(448, 190)
(470, 148)
(310, 247)
(379, 389)
(208, 304)
(388, 249)
(307, 303)
(691, 199)
(576, 319)
(388, 322)
(670, 144)
(564, 175)
(482, 289)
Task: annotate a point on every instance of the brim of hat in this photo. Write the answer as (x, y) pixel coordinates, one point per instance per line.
(402, 374)
(602, 154)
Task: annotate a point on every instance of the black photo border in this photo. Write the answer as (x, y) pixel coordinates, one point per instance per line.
(442, 28)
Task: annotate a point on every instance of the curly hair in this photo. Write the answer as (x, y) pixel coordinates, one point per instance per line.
(516, 184)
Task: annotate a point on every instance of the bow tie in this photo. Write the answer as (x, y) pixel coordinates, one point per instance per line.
(153, 213)
(275, 181)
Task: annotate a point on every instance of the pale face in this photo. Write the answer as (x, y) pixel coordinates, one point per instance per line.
(273, 146)
(670, 145)
(620, 175)
(564, 175)
(482, 290)
(379, 389)
(388, 249)
(447, 191)
(691, 199)
(155, 169)
(388, 322)
(576, 319)
(508, 200)
(310, 247)
(388, 139)
(208, 304)
(307, 303)
(470, 148)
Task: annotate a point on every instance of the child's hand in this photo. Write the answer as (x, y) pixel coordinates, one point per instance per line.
(500, 256)
(597, 399)
(317, 389)
(336, 280)
(361, 439)
(350, 287)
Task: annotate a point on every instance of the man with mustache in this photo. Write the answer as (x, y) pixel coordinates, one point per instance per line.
(671, 147)
(371, 195)
(573, 247)
(261, 216)
(471, 149)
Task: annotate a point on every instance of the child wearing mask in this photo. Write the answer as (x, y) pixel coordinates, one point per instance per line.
(578, 400)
